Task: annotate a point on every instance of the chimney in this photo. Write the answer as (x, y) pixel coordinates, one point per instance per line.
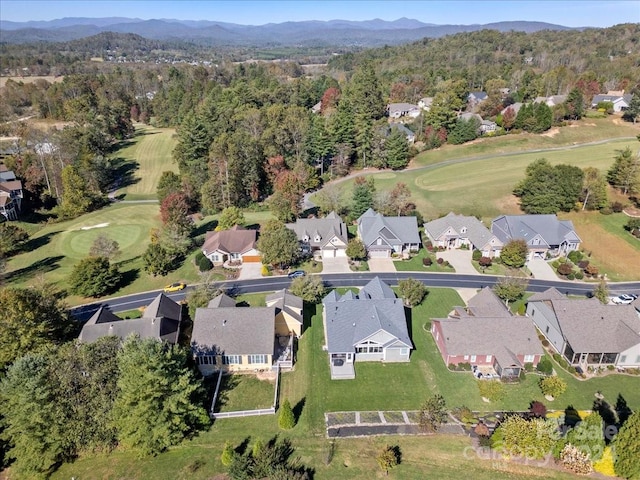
(224, 322)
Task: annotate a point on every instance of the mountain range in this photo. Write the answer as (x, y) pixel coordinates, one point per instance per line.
(205, 32)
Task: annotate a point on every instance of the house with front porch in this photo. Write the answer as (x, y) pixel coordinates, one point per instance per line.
(460, 231)
(618, 99)
(383, 236)
(160, 320)
(488, 337)
(586, 332)
(545, 234)
(323, 237)
(398, 110)
(236, 245)
(369, 326)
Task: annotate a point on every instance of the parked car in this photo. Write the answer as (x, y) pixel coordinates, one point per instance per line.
(624, 299)
(174, 287)
(297, 273)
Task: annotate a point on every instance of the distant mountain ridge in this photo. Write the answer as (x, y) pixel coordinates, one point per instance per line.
(207, 32)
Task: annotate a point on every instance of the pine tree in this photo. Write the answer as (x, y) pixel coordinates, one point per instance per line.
(627, 448)
(286, 418)
(362, 199)
(397, 150)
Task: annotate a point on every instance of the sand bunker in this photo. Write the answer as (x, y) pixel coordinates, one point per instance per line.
(99, 225)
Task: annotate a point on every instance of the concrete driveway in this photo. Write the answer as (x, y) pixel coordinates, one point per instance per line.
(541, 269)
(335, 265)
(250, 270)
(460, 259)
(383, 265)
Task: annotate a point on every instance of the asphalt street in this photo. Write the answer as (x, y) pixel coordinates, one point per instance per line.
(268, 284)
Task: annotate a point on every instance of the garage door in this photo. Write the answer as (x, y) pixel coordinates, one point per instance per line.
(328, 253)
(251, 258)
(379, 253)
(341, 252)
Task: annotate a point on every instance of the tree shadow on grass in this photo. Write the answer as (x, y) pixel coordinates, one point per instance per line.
(45, 265)
(228, 383)
(123, 173)
(35, 243)
(204, 228)
(298, 408)
(128, 277)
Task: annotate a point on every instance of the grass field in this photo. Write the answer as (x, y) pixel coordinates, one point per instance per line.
(151, 151)
(244, 392)
(376, 387)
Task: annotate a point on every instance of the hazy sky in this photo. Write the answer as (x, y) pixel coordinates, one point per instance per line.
(570, 13)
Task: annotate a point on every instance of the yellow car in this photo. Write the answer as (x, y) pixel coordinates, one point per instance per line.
(174, 287)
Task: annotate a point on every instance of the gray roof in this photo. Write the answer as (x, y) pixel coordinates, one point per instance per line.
(372, 225)
(234, 330)
(591, 327)
(487, 304)
(401, 107)
(351, 319)
(221, 301)
(549, 294)
(601, 97)
(286, 301)
(502, 337)
(515, 107)
(160, 320)
(327, 227)
(554, 232)
(479, 96)
(476, 232)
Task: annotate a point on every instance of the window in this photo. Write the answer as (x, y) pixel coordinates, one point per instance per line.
(257, 359)
(369, 347)
(404, 351)
(463, 230)
(489, 358)
(473, 358)
(529, 358)
(623, 358)
(214, 258)
(206, 360)
(638, 359)
(317, 238)
(232, 360)
(466, 357)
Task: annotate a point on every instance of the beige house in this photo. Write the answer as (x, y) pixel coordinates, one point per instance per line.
(459, 231)
(288, 313)
(234, 245)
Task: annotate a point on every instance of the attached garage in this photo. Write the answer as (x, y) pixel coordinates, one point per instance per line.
(328, 252)
(379, 253)
(251, 259)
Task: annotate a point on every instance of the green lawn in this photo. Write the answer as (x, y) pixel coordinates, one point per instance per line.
(414, 264)
(244, 392)
(151, 151)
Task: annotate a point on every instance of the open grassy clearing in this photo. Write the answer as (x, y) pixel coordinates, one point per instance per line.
(614, 250)
(32, 79)
(587, 130)
(244, 392)
(150, 149)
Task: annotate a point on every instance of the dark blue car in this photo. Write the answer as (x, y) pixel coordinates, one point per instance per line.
(297, 273)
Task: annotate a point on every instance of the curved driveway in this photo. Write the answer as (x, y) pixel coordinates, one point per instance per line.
(268, 284)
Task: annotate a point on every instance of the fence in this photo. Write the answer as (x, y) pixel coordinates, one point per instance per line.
(245, 413)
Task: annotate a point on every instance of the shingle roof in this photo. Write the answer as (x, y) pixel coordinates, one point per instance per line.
(502, 337)
(487, 304)
(553, 231)
(353, 319)
(591, 327)
(477, 233)
(549, 294)
(235, 240)
(286, 301)
(326, 228)
(601, 97)
(221, 301)
(401, 107)
(161, 320)
(372, 225)
(234, 331)
(478, 95)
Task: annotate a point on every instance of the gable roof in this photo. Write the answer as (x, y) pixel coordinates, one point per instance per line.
(487, 304)
(478, 96)
(160, 320)
(549, 294)
(552, 231)
(591, 327)
(372, 225)
(477, 233)
(612, 97)
(351, 319)
(325, 228)
(221, 301)
(234, 330)
(284, 300)
(515, 107)
(235, 240)
(400, 108)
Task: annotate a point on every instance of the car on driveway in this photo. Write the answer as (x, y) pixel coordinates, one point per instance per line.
(624, 299)
(297, 273)
(174, 287)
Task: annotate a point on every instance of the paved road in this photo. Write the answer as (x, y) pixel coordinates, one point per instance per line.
(354, 279)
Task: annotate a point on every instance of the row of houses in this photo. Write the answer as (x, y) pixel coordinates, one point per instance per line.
(10, 194)
(545, 235)
(325, 237)
(371, 326)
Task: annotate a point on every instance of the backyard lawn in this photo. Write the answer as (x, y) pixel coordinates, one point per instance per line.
(244, 392)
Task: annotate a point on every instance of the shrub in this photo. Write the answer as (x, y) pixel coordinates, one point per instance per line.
(575, 256)
(606, 211)
(564, 269)
(552, 386)
(388, 458)
(484, 262)
(528, 367)
(582, 264)
(572, 458)
(476, 255)
(227, 454)
(286, 418)
(493, 390)
(427, 262)
(579, 275)
(265, 272)
(440, 261)
(545, 366)
(617, 207)
(571, 276)
(591, 270)
(538, 409)
(545, 343)
(203, 263)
